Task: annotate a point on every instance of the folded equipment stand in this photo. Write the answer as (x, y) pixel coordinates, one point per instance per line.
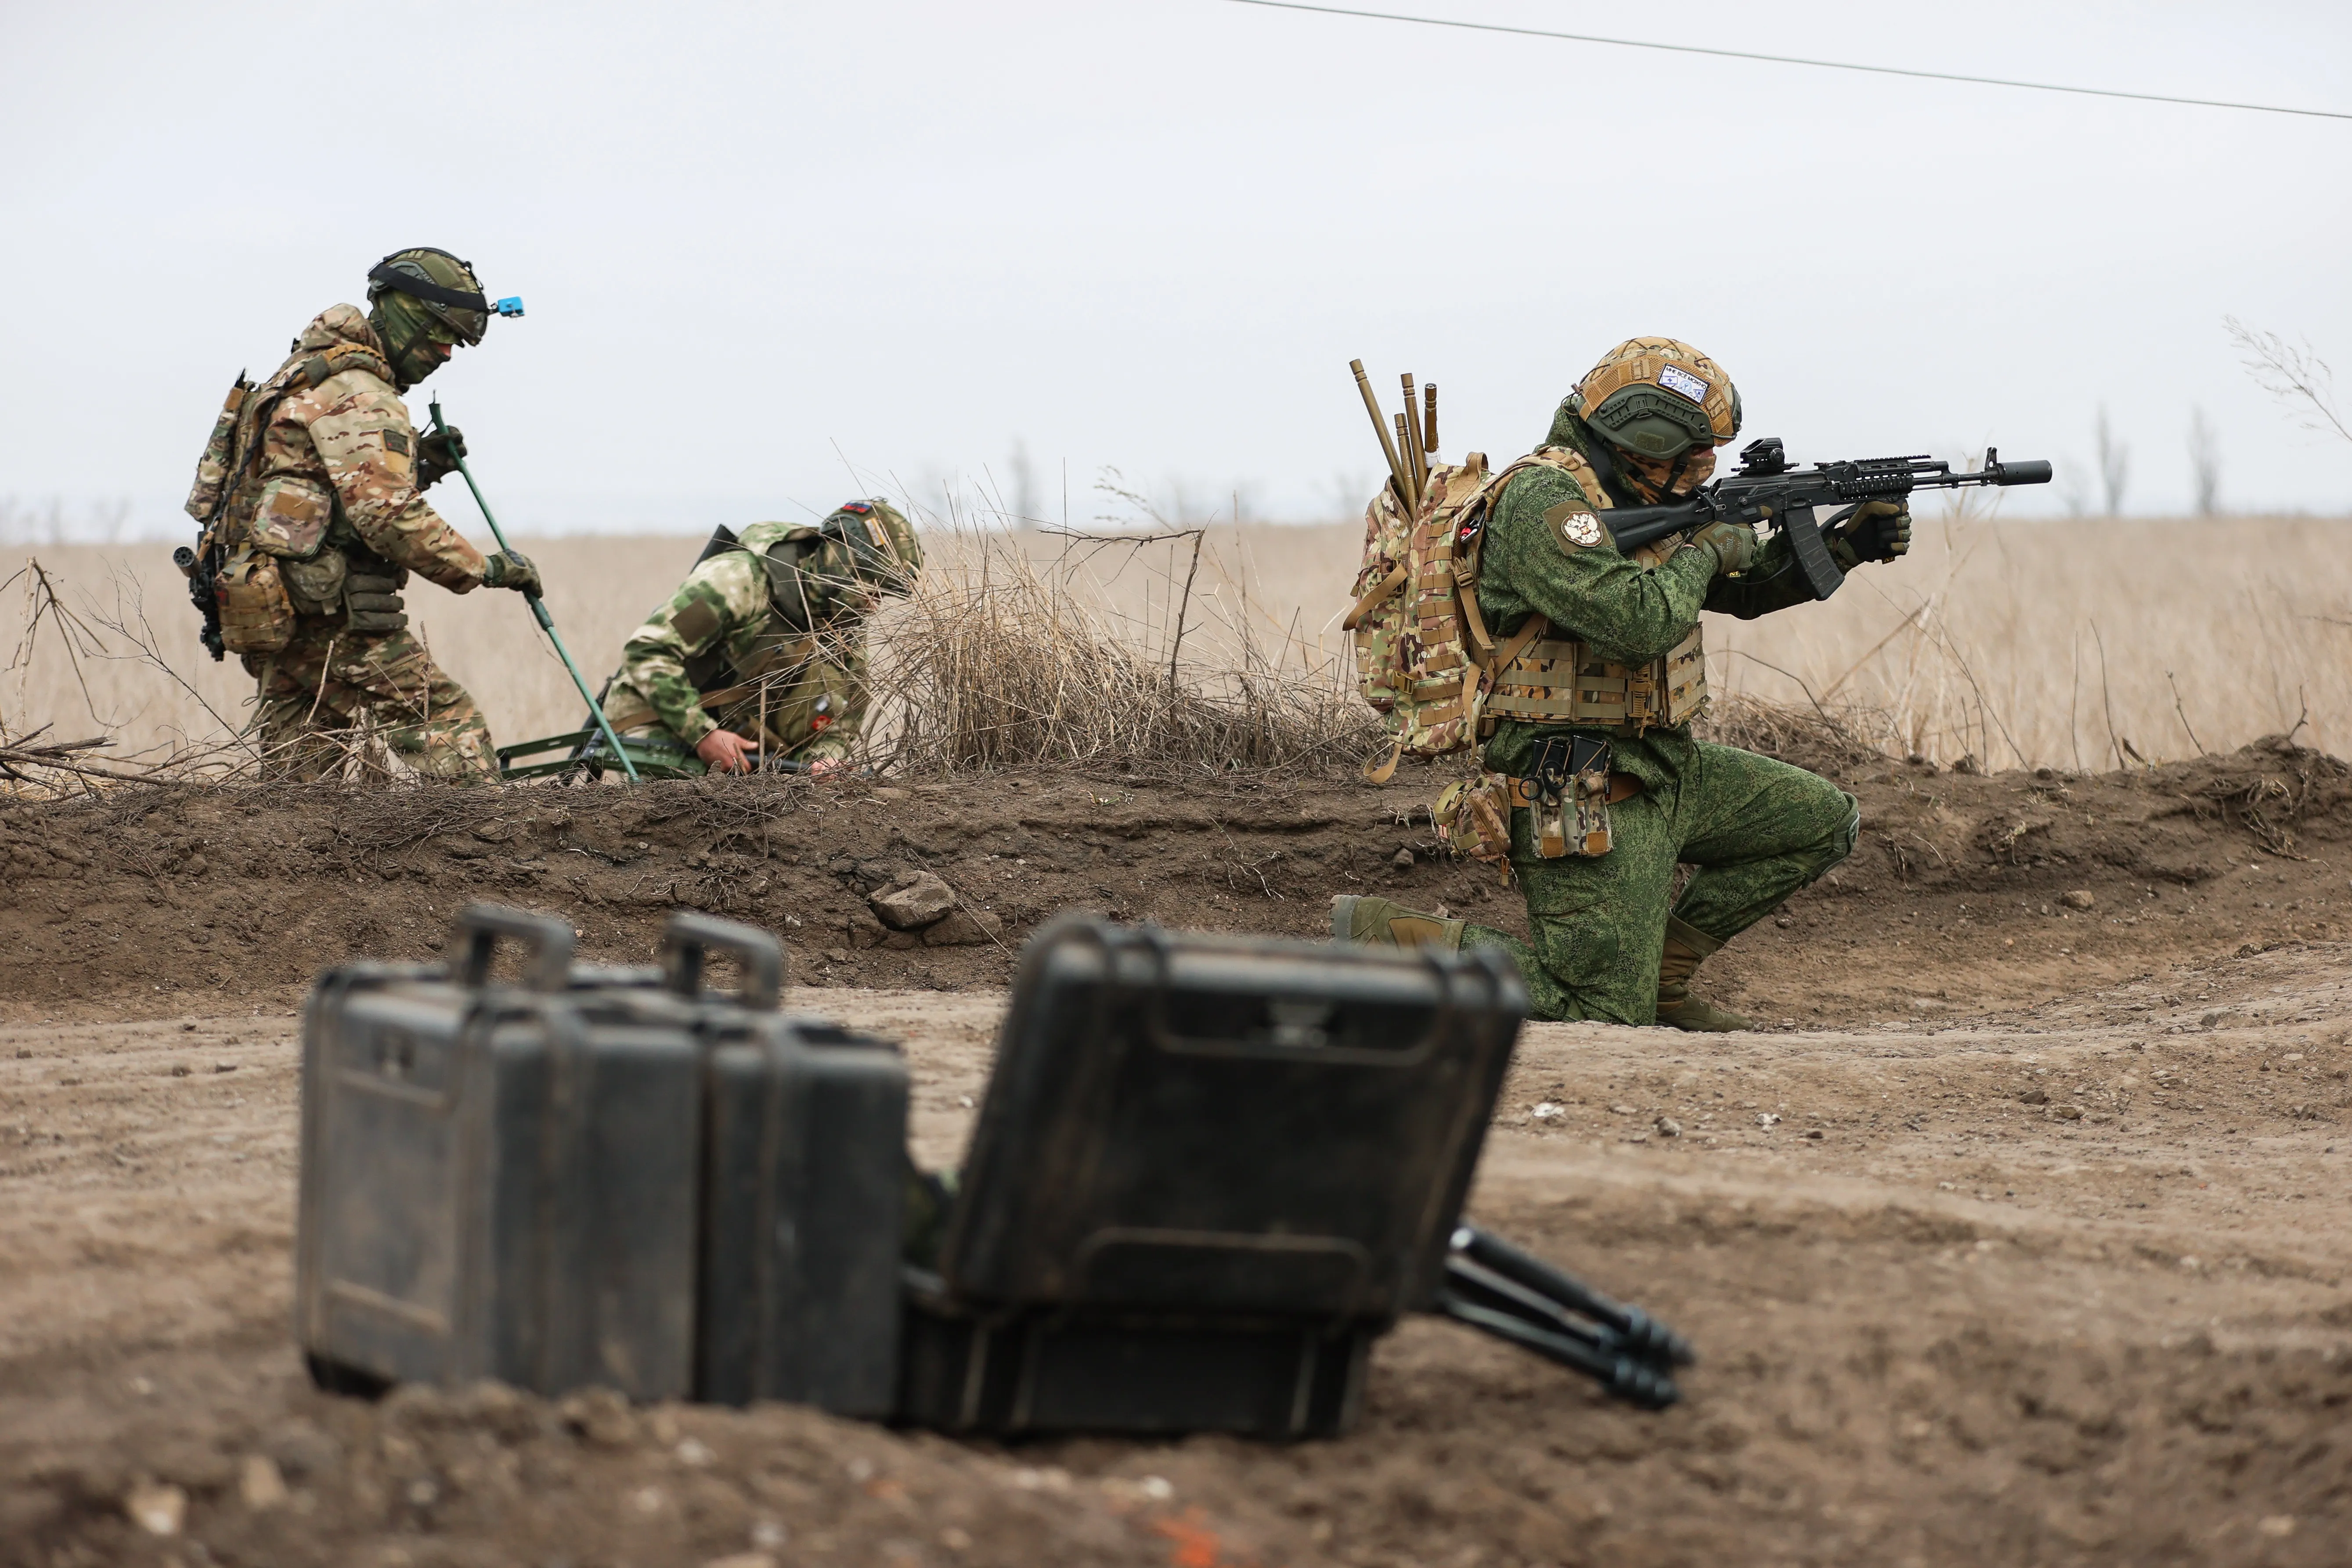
(1495, 1288)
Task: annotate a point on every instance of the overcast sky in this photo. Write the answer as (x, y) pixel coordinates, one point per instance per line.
(778, 254)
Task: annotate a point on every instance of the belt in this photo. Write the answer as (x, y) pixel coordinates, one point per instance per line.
(1621, 786)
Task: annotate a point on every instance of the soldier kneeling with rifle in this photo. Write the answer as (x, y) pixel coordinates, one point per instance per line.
(1600, 550)
(758, 659)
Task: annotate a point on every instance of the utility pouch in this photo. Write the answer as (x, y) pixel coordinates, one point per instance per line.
(220, 456)
(1474, 819)
(316, 585)
(1567, 788)
(256, 617)
(291, 517)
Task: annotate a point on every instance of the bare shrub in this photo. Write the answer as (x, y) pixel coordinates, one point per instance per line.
(2293, 373)
(1827, 741)
(1001, 661)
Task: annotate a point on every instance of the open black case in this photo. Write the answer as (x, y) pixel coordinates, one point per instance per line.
(1208, 1173)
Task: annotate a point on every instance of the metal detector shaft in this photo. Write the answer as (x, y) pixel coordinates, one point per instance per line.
(538, 606)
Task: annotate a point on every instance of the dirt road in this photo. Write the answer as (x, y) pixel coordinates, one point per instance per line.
(2020, 1260)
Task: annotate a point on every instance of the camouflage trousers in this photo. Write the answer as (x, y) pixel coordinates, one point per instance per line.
(330, 697)
(1756, 830)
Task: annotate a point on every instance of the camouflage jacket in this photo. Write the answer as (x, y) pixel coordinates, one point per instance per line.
(325, 457)
(1625, 611)
(768, 640)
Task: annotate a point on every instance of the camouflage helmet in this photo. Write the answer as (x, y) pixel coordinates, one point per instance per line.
(1658, 398)
(439, 286)
(883, 549)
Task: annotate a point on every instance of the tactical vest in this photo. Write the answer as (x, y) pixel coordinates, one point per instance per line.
(284, 546)
(1540, 678)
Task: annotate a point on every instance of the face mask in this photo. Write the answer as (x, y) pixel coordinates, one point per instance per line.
(1654, 480)
(412, 338)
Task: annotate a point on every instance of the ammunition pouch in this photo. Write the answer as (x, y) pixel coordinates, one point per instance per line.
(372, 599)
(256, 615)
(1556, 681)
(1569, 789)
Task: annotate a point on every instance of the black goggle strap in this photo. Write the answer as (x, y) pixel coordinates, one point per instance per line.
(390, 276)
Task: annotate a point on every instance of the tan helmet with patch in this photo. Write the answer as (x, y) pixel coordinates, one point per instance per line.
(1658, 398)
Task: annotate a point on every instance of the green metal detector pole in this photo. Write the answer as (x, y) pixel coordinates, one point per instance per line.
(539, 608)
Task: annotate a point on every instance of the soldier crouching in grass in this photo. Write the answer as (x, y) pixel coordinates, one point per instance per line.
(1600, 673)
(758, 659)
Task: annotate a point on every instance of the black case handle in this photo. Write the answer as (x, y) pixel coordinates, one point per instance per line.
(688, 939)
(545, 938)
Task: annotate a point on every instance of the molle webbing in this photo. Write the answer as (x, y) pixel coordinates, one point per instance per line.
(1554, 680)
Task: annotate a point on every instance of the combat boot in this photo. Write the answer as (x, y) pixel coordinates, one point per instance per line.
(1359, 917)
(1687, 947)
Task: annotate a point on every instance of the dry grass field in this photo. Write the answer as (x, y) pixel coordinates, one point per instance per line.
(2079, 645)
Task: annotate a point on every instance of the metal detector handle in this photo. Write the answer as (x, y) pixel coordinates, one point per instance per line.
(1642, 1334)
(1635, 1381)
(538, 603)
(548, 941)
(687, 943)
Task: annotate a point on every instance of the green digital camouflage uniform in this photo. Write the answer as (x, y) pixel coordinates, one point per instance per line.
(767, 638)
(333, 495)
(1756, 829)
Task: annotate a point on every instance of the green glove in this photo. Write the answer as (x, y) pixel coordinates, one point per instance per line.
(1733, 543)
(437, 452)
(1877, 531)
(509, 570)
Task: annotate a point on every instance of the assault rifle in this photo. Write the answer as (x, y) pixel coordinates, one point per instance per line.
(1765, 488)
(200, 571)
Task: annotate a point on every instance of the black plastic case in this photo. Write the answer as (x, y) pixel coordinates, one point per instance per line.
(804, 1208)
(1209, 1171)
(496, 1180)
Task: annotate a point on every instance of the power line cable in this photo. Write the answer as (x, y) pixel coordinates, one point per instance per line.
(1789, 59)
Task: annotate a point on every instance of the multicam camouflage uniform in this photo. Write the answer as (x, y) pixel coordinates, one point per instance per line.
(332, 498)
(767, 638)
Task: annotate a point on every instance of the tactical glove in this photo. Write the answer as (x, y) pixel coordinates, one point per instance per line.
(508, 570)
(1733, 543)
(437, 452)
(1878, 531)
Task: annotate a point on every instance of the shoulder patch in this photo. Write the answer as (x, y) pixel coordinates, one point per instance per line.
(1576, 524)
(696, 623)
(396, 440)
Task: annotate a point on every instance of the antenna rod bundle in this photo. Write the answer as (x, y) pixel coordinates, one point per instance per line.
(1414, 438)
(1397, 472)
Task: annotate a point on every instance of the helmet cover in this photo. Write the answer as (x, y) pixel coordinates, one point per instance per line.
(1656, 398)
(881, 545)
(436, 284)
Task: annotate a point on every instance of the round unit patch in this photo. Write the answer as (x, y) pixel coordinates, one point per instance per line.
(1581, 529)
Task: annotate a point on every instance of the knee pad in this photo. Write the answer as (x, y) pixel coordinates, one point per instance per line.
(1849, 832)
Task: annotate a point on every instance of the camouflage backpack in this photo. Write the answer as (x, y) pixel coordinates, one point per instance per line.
(1424, 658)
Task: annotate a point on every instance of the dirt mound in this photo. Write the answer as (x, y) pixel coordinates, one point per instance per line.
(1957, 895)
(2020, 1240)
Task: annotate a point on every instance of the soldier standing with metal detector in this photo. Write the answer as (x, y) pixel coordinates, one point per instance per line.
(310, 494)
